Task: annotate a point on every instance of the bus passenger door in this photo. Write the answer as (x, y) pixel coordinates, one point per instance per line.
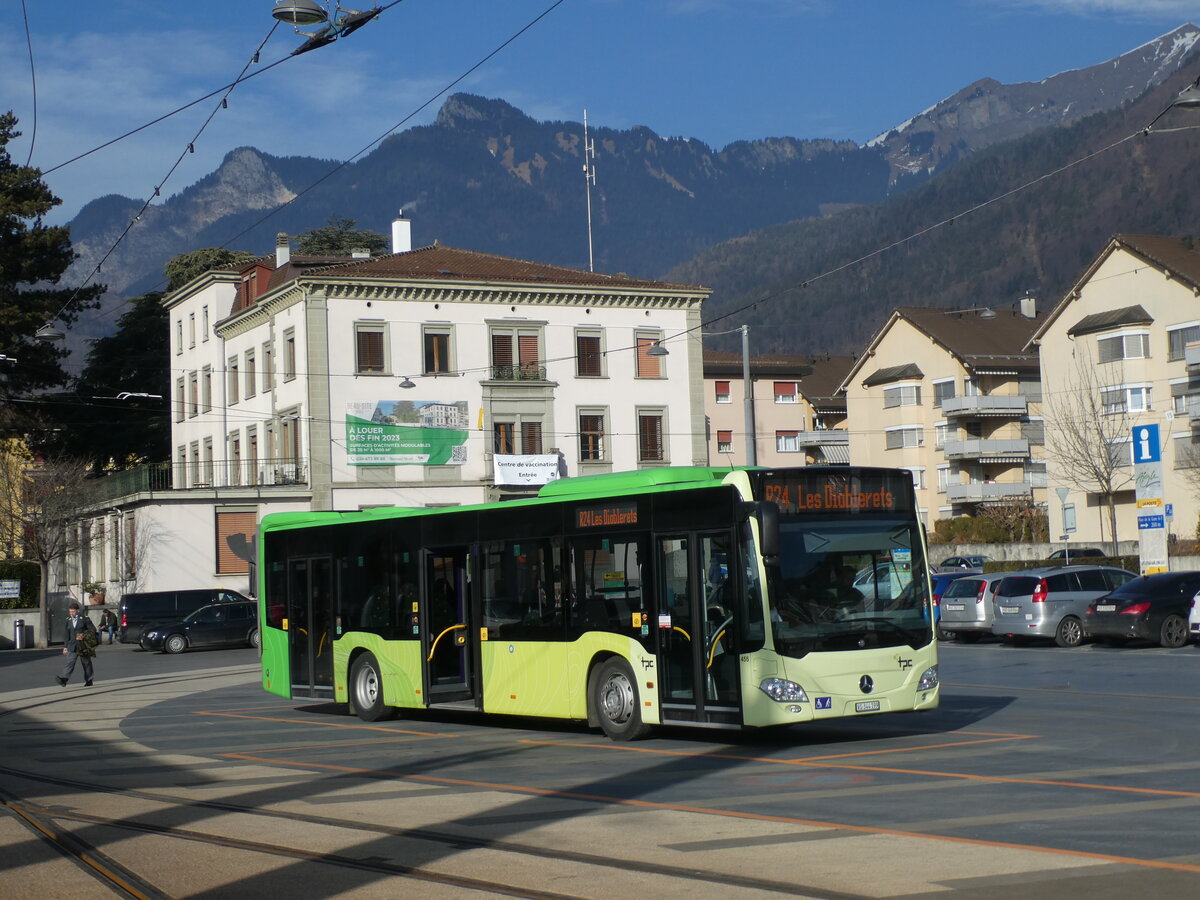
(698, 662)
(309, 625)
(447, 638)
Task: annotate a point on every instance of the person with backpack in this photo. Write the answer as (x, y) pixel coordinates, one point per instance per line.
(80, 644)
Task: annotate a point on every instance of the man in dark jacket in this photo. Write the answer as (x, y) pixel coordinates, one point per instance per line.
(76, 649)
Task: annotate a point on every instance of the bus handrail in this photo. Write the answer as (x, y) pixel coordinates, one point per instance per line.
(433, 646)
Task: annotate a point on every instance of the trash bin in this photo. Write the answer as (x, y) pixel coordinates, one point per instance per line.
(19, 634)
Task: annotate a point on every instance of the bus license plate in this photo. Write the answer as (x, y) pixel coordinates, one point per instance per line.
(1009, 610)
(866, 706)
(1106, 607)
(952, 607)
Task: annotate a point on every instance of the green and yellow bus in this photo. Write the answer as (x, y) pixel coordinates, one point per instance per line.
(711, 597)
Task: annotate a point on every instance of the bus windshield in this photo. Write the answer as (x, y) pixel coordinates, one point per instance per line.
(848, 583)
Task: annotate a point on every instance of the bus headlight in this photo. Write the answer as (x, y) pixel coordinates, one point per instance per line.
(783, 690)
(929, 680)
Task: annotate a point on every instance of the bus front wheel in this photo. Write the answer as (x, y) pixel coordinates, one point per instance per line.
(616, 703)
(366, 690)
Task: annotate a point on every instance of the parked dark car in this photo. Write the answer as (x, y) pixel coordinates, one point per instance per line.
(1071, 553)
(1152, 608)
(217, 625)
(971, 563)
(1052, 602)
(141, 608)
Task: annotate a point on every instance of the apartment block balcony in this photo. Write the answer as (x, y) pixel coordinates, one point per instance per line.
(1014, 450)
(1193, 409)
(982, 493)
(528, 372)
(823, 438)
(224, 474)
(1191, 355)
(985, 405)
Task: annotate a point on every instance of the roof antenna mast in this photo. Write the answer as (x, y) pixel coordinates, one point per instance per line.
(589, 179)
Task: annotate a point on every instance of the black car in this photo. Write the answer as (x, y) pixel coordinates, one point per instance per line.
(143, 607)
(1152, 608)
(216, 625)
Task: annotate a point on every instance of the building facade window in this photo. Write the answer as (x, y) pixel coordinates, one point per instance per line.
(903, 436)
(1035, 474)
(191, 329)
(589, 354)
(1125, 399)
(436, 347)
(902, 395)
(504, 438)
(943, 391)
(234, 527)
(943, 478)
(251, 385)
(918, 476)
(531, 436)
(204, 324)
(178, 336)
(787, 441)
(1034, 431)
(370, 348)
(1030, 387)
(289, 354)
(206, 389)
(179, 400)
(193, 394)
(516, 353)
(725, 441)
(722, 392)
(941, 431)
(785, 391)
(1179, 337)
(591, 436)
(231, 380)
(268, 366)
(1124, 346)
(651, 447)
(648, 366)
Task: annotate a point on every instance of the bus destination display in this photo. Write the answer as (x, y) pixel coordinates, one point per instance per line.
(795, 492)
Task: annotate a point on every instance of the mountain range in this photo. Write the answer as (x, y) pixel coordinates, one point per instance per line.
(751, 219)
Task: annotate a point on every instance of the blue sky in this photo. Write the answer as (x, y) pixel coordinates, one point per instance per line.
(716, 70)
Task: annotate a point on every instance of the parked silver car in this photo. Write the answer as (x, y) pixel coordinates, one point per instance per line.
(968, 605)
(1052, 602)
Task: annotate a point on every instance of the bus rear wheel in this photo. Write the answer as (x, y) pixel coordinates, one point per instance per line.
(366, 690)
(616, 702)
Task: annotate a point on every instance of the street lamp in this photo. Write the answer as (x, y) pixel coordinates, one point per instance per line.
(49, 334)
(299, 12)
(408, 383)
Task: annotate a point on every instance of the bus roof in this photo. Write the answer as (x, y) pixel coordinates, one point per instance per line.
(658, 480)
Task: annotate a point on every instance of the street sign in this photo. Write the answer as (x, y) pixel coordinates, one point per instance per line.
(1170, 513)
(1145, 444)
(10, 589)
(1151, 522)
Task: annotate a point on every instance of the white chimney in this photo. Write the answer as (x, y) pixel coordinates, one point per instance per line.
(283, 250)
(1029, 307)
(401, 234)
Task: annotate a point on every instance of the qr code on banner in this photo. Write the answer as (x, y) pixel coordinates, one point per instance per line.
(458, 454)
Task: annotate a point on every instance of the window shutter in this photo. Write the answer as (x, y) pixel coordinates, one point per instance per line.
(650, 437)
(527, 348)
(587, 350)
(240, 526)
(370, 351)
(531, 437)
(724, 437)
(502, 350)
(647, 366)
(1111, 349)
(785, 389)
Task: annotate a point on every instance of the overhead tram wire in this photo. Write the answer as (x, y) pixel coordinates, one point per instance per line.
(189, 148)
(377, 140)
(392, 130)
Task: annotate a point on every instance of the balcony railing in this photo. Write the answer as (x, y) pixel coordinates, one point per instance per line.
(1017, 448)
(985, 405)
(981, 493)
(823, 438)
(527, 372)
(175, 476)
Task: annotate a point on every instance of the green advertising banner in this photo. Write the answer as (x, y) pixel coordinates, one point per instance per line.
(406, 433)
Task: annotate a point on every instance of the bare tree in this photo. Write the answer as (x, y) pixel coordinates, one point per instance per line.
(1015, 519)
(1088, 432)
(40, 501)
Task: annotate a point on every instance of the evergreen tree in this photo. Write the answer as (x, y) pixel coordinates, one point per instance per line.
(339, 238)
(33, 258)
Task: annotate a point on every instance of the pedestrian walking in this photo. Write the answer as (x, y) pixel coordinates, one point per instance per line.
(108, 624)
(80, 644)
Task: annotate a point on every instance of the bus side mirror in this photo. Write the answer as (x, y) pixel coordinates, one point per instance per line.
(767, 514)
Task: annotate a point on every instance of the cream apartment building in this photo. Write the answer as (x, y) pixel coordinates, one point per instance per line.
(1122, 349)
(953, 396)
(799, 414)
